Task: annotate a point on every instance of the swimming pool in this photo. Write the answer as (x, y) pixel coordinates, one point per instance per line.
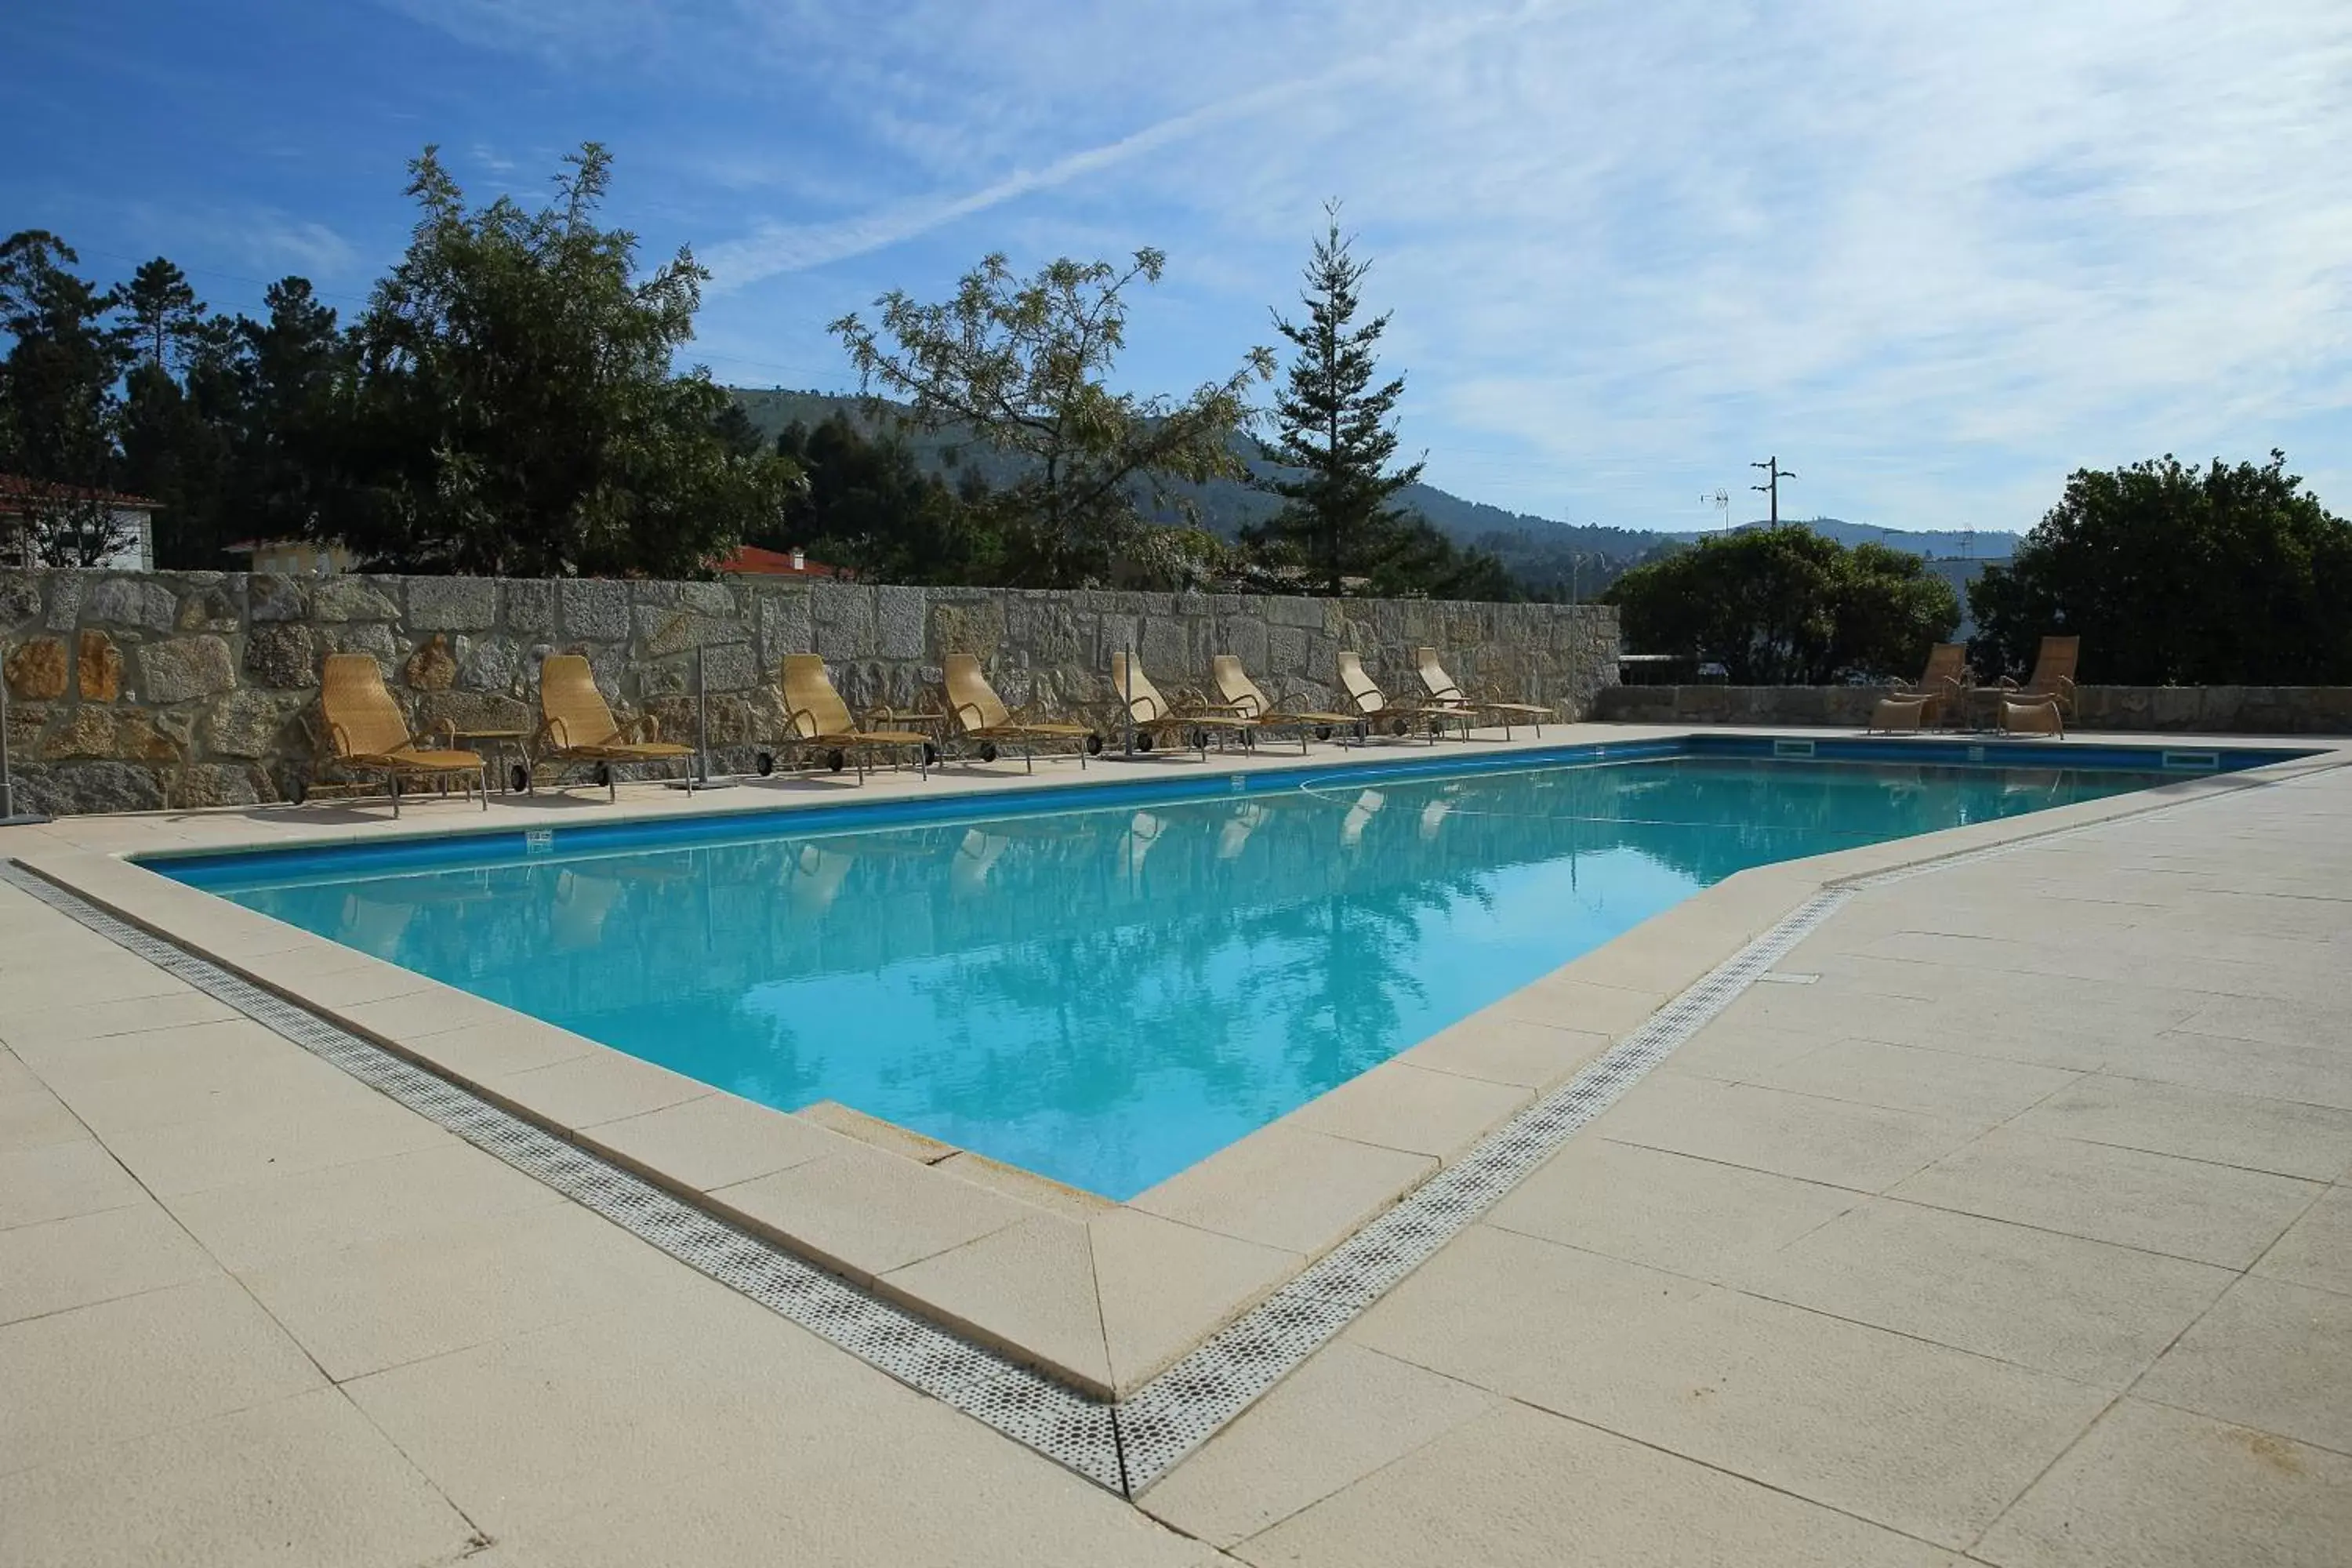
(1104, 985)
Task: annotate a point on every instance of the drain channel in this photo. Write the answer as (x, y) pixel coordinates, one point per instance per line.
(1122, 1447)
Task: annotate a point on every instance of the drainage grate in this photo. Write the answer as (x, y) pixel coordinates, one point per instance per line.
(1057, 1422)
(1178, 1410)
(1122, 1447)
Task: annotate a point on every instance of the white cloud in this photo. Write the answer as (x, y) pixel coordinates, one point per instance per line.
(1935, 256)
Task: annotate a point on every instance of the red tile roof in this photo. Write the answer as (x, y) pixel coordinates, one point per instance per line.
(751, 561)
(15, 488)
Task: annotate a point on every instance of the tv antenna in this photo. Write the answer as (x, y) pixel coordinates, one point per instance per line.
(1773, 474)
(1719, 498)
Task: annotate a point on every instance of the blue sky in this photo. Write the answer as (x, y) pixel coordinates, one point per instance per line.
(1935, 257)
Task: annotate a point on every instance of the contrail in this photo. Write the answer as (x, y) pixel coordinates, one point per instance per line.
(775, 249)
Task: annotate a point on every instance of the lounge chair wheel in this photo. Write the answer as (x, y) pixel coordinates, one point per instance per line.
(298, 792)
(836, 759)
(604, 775)
(1322, 732)
(988, 750)
(766, 762)
(930, 754)
(517, 779)
(1401, 728)
(1198, 740)
(1094, 745)
(1143, 741)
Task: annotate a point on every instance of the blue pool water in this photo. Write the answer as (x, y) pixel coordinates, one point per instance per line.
(1104, 994)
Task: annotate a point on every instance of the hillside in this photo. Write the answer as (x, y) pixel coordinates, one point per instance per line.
(1548, 556)
(1984, 545)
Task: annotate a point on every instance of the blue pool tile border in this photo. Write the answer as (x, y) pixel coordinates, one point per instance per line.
(449, 850)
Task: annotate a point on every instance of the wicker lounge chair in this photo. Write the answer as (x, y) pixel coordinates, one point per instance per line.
(1374, 708)
(984, 723)
(1941, 686)
(368, 735)
(1242, 694)
(1444, 693)
(820, 722)
(2054, 674)
(1152, 720)
(577, 729)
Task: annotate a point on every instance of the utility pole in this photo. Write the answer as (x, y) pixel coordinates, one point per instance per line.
(1773, 474)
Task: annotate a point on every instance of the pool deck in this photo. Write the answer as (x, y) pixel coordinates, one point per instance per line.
(2007, 1219)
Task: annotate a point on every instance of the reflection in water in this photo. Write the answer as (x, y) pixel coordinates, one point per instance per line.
(1108, 996)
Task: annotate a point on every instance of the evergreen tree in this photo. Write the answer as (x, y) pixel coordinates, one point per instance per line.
(869, 507)
(163, 315)
(288, 371)
(57, 399)
(59, 408)
(1333, 437)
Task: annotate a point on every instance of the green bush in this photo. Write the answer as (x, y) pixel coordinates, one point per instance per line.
(1785, 606)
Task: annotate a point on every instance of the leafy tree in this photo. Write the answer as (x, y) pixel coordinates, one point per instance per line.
(2173, 575)
(1787, 606)
(514, 410)
(1333, 436)
(868, 506)
(1022, 364)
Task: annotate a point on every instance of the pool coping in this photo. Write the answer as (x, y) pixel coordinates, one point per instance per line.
(1102, 1298)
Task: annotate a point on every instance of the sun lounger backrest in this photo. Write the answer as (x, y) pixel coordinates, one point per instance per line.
(1432, 676)
(1235, 687)
(974, 702)
(574, 709)
(362, 720)
(1358, 685)
(1945, 660)
(1132, 686)
(2054, 663)
(816, 709)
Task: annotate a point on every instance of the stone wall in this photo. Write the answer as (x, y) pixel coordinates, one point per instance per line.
(2179, 710)
(125, 687)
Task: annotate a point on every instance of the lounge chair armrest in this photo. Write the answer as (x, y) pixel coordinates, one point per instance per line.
(792, 717)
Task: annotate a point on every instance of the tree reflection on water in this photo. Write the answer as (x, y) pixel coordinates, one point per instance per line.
(1110, 995)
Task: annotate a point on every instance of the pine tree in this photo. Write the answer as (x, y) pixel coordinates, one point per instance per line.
(1333, 437)
(164, 314)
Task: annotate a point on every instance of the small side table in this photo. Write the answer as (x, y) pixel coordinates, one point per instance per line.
(498, 741)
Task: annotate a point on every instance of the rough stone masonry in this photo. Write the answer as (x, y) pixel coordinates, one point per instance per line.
(134, 690)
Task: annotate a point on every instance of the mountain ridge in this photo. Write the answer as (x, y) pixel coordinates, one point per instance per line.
(1545, 553)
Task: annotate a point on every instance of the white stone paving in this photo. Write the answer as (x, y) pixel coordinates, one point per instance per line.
(2017, 1238)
